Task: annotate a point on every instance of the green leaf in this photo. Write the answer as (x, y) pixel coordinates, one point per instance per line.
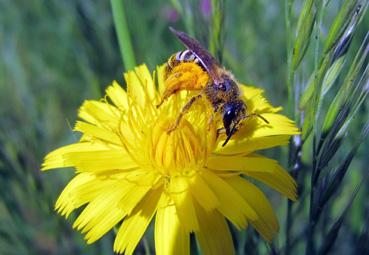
(332, 74)
(338, 25)
(305, 27)
(331, 237)
(348, 86)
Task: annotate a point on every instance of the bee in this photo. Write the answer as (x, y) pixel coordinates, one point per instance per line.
(222, 90)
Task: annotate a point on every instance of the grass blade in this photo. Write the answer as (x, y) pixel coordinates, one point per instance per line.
(216, 31)
(305, 27)
(124, 40)
(331, 237)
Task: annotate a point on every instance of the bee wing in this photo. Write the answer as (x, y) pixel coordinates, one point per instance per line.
(207, 60)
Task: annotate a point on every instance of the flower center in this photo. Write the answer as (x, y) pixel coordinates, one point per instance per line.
(177, 152)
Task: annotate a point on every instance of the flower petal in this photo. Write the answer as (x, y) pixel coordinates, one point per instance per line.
(56, 159)
(98, 208)
(98, 161)
(278, 179)
(97, 132)
(179, 192)
(170, 236)
(135, 89)
(203, 194)
(266, 224)
(278, 125)
(100, 114)
(249, 145)
(214, 236)
(133, 197)
(102, 224)
(147, 81)
(134, 226)
(256, 102)
(66, 200)
(261, 168)
(118, 95)
(241, 163)
(236, 209)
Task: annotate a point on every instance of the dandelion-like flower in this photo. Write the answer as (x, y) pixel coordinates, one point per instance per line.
(130, 170)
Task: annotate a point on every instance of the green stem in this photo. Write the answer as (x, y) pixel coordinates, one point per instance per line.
(290, 75)
(290, 107)
(216, 35)
(124, 39)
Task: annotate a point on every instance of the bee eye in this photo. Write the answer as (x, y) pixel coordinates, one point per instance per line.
(229, 116)
(225, 86)
(222, 87)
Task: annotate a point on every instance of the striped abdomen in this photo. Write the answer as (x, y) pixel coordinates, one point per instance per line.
(182, 56)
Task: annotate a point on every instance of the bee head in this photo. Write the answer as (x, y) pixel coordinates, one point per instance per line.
(233, 113)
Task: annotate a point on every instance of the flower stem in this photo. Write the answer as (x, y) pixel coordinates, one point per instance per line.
(124, 39)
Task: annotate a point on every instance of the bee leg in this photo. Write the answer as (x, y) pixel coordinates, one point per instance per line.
(184, 111)
(167, 93)
(160, 103)
(165, 96)
(221, 131)
(212, 117)
(211, 120)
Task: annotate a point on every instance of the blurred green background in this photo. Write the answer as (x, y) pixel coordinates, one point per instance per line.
(56, 54)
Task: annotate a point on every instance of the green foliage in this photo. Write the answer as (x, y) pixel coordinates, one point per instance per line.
(55, 54)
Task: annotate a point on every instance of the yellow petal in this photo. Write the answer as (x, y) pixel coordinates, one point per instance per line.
(249, 92)
(214, 236)
(278, 179)
(147, 81)
(241, 163)
(231, 204)
(134, 226)
(97, 132)
(266, 224)
(256, 102)
(203, 194)
(89, 190)
(179, 192)
(249, 145)
(102, 224)
(96, 210)
(161, 82)
(100, 160)
(258, 167)
(135, 89)
(118, 95)
(170, 236)
(278, 125)
(133, 197)
(100, 114)
(56, 159)
(65, 203)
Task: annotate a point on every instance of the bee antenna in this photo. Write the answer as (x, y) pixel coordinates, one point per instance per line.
(261, 117)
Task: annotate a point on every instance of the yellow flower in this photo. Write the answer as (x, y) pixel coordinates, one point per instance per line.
(130, 170)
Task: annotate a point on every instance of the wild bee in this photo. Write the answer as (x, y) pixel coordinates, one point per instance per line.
(222, 90)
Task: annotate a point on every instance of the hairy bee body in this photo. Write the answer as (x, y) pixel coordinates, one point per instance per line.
(221, 89)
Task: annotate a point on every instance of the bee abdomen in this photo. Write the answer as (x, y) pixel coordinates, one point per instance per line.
(183, 56)
(186, 56)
